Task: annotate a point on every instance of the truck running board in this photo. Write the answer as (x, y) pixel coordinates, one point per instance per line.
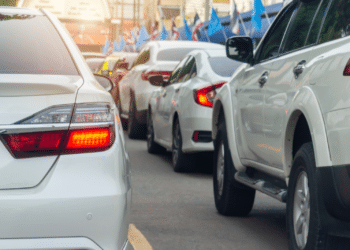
(263, 186)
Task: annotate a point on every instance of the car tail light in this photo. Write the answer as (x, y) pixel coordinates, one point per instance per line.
(205, 96)
(146, 74)
(346, 71)
(91, 129)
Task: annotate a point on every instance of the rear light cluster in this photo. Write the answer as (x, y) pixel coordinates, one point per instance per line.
(91, 129)
(146, 74)
(205, 96)
(346, 71)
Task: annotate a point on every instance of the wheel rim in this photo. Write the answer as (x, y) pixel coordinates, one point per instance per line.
(220, 168)
(176, 143)
(149, 131)
(301, 210)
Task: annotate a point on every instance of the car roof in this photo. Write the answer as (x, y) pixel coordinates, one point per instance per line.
(184, 44)
(21, 11)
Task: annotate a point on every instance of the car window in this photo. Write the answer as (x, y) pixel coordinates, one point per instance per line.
(142, 58)
(177, 71)
(30, 44)
(337, 22)
(272, 41)
(223, 66)
(173, 54)
(187, 69)
(316, 25)
(300, 26)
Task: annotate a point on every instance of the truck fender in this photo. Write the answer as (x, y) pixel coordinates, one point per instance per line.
(305, 103)
(223, 101)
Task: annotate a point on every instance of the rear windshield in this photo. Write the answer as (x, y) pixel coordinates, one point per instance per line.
(31, 45)
(173, 54)
(223, 66)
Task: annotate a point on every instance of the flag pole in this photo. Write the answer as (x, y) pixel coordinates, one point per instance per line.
(245, 30)
(223, 31)
(267, 17)
(206, 33)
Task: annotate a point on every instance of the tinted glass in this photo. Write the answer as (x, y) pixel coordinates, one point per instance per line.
(31, 45)
(337, 22)
(273, 39)
(187, 69)
(299, 28)
(315, 28)
(177, 71)
(223, 66)
(173, 54)
(142, 58)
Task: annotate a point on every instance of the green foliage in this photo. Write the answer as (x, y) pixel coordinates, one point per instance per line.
(8, 2)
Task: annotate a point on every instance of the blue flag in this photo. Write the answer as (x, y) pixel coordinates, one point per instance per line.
(115, 46)
(105, 47)
(163, 34)
(143, 37)
(187, 31)
(214, 25)
(258, 9)
(122, 43)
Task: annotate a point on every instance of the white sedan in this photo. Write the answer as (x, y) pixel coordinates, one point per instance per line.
(179, 113)
(134, 90)
(64, 172)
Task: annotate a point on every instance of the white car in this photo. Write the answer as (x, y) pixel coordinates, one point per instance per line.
(64, 172)
(179, 113)
(135, 89)
(281, 125)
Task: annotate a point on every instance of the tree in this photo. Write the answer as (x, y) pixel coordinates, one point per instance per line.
(8, 2)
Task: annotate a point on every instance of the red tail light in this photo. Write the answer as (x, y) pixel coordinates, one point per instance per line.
(34, 144)
(53, 142)
(346, 71)
(206, 95)
(146, 74)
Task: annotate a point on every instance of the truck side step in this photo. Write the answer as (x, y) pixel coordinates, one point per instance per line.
(263, 186)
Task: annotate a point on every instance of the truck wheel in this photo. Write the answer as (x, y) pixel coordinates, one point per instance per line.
(231, 197)
(303, 215)
(152, 146)
(181, 162)
(134, 128)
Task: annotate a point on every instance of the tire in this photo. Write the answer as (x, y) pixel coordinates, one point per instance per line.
(231, 197)
(134, 128)
(303, 213)
(181, 162)
(152, 146)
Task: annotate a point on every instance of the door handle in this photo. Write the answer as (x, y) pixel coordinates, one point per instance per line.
(299, 69)
(177, 90)
(164, 95)
(263, 79)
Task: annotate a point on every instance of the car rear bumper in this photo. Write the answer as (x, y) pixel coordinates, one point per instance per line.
(82, 203)
(189, 126)
(334, 199)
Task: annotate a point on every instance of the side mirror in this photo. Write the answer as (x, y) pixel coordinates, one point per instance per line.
(240, 49)
(156, 80)
(104, 81)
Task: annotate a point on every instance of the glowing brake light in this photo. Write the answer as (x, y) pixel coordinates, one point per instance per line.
(89, 138)
(205, 96)
(146, 74)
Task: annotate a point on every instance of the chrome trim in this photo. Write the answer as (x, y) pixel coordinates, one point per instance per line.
(90, 124)
(28, 128)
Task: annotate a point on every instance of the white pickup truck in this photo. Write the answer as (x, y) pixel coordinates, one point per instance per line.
(281, 125)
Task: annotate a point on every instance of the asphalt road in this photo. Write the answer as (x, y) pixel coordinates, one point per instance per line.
(176, 211)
